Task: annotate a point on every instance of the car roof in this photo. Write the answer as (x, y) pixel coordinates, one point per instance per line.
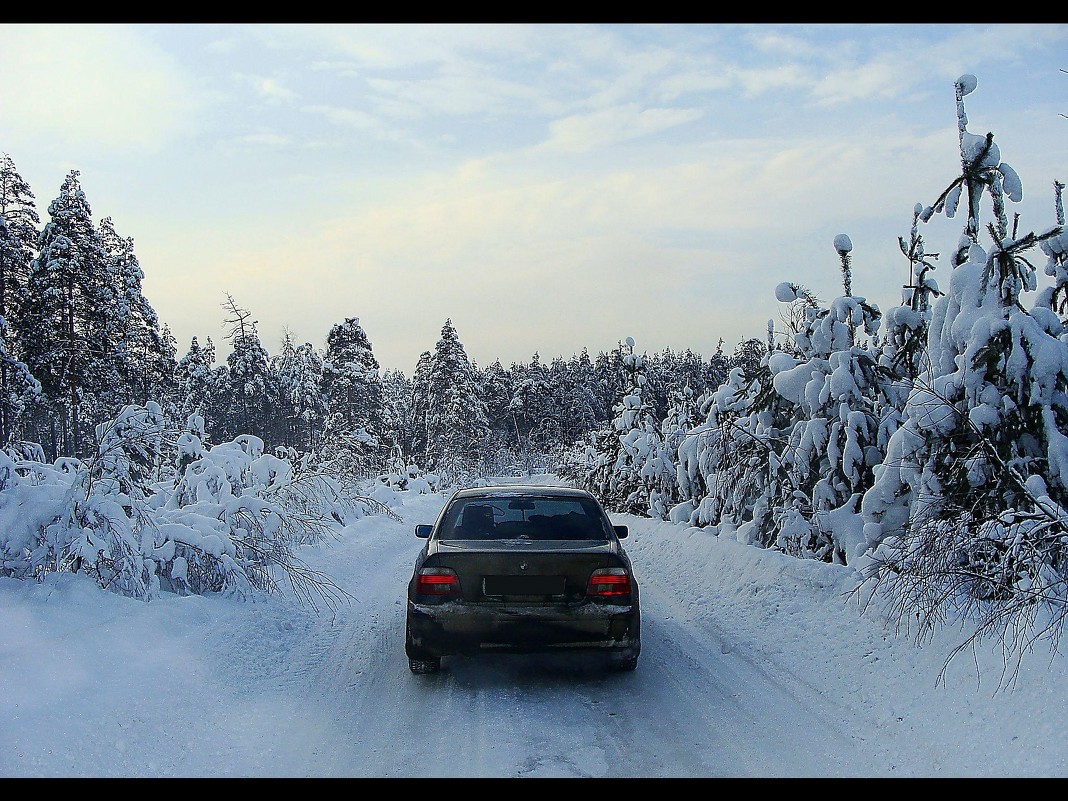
(527, 490)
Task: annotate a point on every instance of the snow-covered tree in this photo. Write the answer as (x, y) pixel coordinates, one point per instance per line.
(827, 460)
(643, 477)
(142, 358)
(1055, 296)
(246, 379)
(396, 415)
(534, 414)
(969, 505)
(456, 425)
(19, 212)
(416, 447)
(300, 408)
(352, 392)
(495, 388)
(627, 465)
(70, 311)
(232, 522)
(729, 471)
(18, 387)
(194, 379)
(681, 418)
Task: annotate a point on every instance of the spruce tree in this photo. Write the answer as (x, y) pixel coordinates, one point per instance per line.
(352, 394)
(533, 411)
(457, 430)
(495, 388)
(69, 312)
(299, 408)
(980, 462)
(830, 380)
(19, 213)
(248, 365)
(17, 386)
(397, 418)
(573, 400)
(144, 362)
(416, 447)
(193, 376)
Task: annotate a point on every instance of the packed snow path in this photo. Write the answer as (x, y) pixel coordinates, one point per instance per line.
(753, 664)
(341, 701)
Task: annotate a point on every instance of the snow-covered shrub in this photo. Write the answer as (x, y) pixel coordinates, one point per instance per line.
(232, 522)
(627, 466)
(721, 468)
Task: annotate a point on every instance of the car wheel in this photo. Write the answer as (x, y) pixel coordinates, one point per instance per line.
(422, 666)
(625, 662)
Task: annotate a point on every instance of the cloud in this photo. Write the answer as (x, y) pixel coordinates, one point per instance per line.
(347, 117)
(582, 132)
(465, 91)
(758, 81)
(271, 139)
(105, 86)
(778, 43)
(268, 89)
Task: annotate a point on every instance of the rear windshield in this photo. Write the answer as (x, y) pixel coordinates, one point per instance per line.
(524, 518)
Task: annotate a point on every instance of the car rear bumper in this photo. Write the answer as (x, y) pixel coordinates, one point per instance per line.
(456, 628)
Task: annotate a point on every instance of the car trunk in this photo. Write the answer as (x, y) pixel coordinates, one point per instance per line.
(515, 571)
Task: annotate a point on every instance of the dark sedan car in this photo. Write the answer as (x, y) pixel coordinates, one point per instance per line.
(522, 569)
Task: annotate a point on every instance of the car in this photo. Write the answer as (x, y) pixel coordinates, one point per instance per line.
(522, 569)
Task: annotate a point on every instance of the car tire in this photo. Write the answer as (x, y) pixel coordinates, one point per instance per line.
(625, 662)
(424, 666)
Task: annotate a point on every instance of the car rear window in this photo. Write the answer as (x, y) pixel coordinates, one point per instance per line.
(524, 518)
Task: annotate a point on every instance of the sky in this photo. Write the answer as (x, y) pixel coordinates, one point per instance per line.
(548, 187)
(753, 664)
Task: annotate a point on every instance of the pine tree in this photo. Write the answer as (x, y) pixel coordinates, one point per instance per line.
(18, 387)
(248, 365)
(642, 481)
(299, 406)
(730, 468)
(143, 365)
(19, 213)
(193, 377)
(69, 312)
(1055, 297)
(352, 394)
(456, 426)
(416, 447)
(980, 462)
(827, 461)
(681, 418)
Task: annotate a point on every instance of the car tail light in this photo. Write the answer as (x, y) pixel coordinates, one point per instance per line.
(437, 581)
(608, 581)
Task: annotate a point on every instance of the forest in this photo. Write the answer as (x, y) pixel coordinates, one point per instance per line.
(924, 445)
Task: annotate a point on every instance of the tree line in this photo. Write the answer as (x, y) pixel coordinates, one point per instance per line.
(80, 341)
(925, 446)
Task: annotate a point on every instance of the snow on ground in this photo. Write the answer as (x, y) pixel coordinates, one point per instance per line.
(753, 664)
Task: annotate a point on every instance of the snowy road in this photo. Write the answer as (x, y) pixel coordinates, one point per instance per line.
(753, 664)
(696, 706)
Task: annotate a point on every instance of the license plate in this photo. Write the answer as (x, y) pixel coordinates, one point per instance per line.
(523, 585)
